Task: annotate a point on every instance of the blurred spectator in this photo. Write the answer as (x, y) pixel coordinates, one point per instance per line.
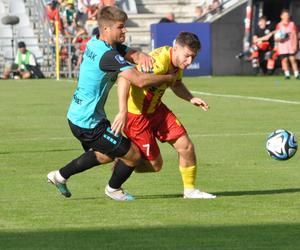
(92, 10)
(169, 18)
(199, 14)
(261, 48)
(53, 14)
(81, 15)
(69, 17)
(286, 37)
(24, 65)
(104, 3)
(215, 6)
(79, 42)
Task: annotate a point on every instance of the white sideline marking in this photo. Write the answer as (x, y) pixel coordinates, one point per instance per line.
(265, 99)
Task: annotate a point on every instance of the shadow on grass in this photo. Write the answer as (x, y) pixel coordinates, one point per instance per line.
(219, 194)
(258, 192)
(39, 151)
(277, 236)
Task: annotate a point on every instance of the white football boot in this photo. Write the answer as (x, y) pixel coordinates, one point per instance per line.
(55, 178)
(118, 194)
(197, 194)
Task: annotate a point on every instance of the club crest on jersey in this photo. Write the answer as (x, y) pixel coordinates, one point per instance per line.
(120, 59)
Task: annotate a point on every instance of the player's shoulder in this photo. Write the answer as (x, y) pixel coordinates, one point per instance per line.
(163, 51)
(162, 56)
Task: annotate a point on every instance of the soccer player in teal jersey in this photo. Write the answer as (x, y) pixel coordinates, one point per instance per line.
(105, 59)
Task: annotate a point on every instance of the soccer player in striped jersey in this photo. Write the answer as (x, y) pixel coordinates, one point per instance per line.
(150, 119)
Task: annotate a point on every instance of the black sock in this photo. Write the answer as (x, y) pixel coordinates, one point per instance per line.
(82, 163)
(120, 174)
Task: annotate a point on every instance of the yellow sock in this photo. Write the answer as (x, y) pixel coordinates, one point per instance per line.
(188, 175)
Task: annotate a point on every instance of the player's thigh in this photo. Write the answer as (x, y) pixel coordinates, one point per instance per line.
(167, 126)
(102, 139)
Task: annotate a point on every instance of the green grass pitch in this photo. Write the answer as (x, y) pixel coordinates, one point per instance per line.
(258, 197)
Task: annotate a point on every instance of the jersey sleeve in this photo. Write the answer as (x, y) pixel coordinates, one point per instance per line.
(113, 61)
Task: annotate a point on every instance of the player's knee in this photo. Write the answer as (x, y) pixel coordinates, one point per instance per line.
(101, 158)
(157, 166)
(187, 148)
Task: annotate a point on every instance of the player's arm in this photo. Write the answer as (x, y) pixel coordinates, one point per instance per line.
(113, 61)
(137, 57)
(119, 122)
(266, 37)
(141, 80)
(181, 91)
(140, 58)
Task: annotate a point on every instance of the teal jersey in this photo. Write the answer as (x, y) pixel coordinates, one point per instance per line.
(98, 72)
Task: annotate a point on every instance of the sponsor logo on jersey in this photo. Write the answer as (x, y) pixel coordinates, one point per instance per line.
(120, 59)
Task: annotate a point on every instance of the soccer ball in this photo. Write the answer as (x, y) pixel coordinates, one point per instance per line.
(281, 144)
(280, 35)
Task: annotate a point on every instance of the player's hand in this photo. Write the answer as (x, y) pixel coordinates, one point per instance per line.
(199, 103)
(119, 123)
(146, 62)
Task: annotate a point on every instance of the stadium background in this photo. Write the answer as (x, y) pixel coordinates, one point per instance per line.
(227, 30)
(258, 198)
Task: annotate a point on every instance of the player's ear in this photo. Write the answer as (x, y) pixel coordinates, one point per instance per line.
(175, 47)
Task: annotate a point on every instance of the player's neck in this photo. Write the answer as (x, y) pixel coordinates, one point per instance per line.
(107, 40)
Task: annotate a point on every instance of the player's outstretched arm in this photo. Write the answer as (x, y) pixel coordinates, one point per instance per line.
(119, 122)
(181, 91)
(141, 80)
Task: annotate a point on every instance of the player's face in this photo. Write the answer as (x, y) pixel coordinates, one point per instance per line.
(285, 17)
(262, 23)
(184, 56)
(117, 32)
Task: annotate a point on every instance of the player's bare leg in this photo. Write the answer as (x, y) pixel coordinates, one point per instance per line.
(146, 166)
(285, 68)
(294, 66)
(188, 169)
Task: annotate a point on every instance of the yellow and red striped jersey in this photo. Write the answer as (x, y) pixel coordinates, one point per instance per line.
(145, 100)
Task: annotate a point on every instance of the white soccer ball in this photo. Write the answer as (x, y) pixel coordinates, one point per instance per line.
(281, 144)
(280, 35)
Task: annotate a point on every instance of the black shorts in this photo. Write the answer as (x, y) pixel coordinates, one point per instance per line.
(282, 56)
(102, 139)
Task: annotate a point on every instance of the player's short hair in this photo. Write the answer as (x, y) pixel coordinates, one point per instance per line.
(264, 18)
(285, 11)
(190, 40)
(110, 14)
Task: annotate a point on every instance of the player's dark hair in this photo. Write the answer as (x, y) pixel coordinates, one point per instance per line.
(111, 14)
(285, 11)
(190, 40)
(263, 18)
